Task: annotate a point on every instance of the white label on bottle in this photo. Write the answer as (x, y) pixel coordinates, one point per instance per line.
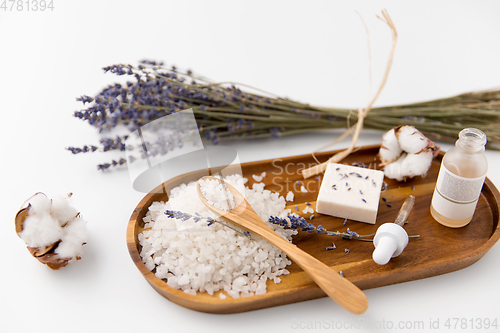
(458, 189)
(456, 197)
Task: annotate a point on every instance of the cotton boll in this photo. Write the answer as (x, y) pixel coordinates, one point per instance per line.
(74, 236)
(39, 204)
(52, 232)
(416, 153)
(394, 169)
(62, 210)
(389, 149)
(410, 139)
(40, 231)
(416, 164)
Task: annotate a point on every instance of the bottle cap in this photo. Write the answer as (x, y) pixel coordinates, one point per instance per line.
(390, 241)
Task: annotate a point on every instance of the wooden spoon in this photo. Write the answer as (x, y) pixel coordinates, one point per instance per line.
(341, 290)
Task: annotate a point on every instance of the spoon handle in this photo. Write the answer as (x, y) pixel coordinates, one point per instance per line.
(341, 290)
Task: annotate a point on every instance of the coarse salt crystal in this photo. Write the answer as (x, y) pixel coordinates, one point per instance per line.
(308, 210)
(289, 196)
(259, 178)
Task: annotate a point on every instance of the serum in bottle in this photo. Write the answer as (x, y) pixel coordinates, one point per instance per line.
(460, 180)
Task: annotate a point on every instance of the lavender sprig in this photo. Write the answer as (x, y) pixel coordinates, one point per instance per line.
(175, 214)
(300, 223)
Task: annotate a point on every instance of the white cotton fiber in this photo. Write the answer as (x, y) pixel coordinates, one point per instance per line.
(389, 149)
(411, 140)
(62, 210)
(416, 164)
(39, 203)
(394, 169)
(406, 153)
(52, 221)
(195, 257)
(40, 230)
(74, 236)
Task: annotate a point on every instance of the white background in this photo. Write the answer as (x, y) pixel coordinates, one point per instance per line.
(314, 52)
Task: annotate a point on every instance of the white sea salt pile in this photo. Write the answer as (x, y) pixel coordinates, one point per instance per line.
(193, 256)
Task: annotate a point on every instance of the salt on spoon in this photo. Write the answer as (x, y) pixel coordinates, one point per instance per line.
(341, 290)
(391, 239)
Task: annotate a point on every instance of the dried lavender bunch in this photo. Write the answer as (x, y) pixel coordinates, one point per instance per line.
(225, 112)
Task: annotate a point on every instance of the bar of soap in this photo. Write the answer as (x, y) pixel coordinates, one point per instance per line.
(350, 192)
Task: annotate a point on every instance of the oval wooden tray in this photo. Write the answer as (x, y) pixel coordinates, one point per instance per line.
(438, 250)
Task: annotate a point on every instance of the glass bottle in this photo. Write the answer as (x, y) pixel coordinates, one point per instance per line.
(460, 180)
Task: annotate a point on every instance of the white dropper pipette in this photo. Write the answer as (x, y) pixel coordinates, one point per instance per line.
(391, 239)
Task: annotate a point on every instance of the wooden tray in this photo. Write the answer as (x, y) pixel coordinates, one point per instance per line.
(438, 250)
